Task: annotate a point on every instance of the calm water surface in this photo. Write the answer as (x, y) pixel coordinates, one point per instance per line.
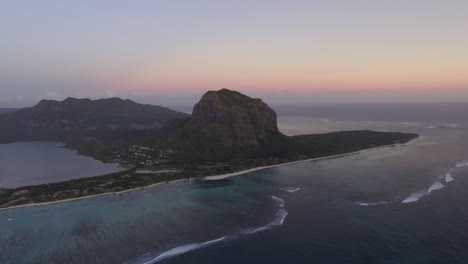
(28, 163)
(406, 204)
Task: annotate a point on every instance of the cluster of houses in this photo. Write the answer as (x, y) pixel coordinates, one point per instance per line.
(142, 155)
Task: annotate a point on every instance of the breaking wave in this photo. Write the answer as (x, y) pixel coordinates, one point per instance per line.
(448, 177)
(278, 220)
(446, 125)
(414, 197)
(280, 216)
(436, 185)
(291, 189)
(371, 204)
(183, 249)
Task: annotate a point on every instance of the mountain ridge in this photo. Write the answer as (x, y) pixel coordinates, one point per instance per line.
(52, 119)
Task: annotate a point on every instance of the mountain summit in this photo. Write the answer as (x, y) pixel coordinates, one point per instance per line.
(234, 118)
(226, 124)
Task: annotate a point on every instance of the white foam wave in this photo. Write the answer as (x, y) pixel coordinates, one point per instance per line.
(278, 220)
(437, 185)
(183, 249)
(448, 177)
(414, 197)
(372, 204)
(291, 189)
(278, 200)
(280, 216)
(448, 125)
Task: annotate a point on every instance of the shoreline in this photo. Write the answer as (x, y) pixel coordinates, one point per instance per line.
(228, 175)
(89, 196)
(206, 178)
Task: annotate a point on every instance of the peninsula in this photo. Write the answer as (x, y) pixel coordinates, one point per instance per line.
(228, 133)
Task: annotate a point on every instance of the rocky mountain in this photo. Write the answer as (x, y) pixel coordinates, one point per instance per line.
(227, 125)
(236, 119)
(51, 119)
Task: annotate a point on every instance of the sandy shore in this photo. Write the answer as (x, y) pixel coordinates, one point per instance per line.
(208, 178)
(222, 176)
(90, 196)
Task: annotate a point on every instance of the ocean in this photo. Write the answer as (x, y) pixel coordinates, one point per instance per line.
(403, 204)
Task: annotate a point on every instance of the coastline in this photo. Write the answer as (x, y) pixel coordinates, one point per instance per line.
(90, 196)
(206, 178)
(227, 175)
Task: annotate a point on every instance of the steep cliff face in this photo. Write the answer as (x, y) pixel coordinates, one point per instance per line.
(235, 119)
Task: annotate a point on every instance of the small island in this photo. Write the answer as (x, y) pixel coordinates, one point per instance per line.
(228, 133)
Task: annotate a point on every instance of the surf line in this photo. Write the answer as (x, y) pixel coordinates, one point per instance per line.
(416, 196)
(278, 220)
(436, 185)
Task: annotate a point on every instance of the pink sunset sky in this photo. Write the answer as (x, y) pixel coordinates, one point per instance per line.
(171, 52)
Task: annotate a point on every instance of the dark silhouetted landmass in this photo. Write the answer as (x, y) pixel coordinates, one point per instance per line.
(54, 120)
(228, 132)
(224, 124)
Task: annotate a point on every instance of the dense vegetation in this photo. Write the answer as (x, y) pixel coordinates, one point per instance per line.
(233, 98)
(299, 148)
(345, 141)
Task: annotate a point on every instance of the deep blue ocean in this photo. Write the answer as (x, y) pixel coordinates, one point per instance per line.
(403, 204)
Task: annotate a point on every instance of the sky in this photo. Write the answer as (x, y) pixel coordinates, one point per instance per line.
(171, 52)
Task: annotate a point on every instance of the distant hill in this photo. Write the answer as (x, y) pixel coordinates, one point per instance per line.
(51, 119)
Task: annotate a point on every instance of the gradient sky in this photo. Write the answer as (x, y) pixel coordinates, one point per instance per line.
(170, 52)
